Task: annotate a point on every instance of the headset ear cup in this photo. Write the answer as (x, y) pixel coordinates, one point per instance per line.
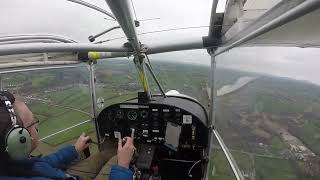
(18, 143)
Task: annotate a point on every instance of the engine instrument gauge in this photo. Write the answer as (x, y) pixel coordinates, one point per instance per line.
(132, 115)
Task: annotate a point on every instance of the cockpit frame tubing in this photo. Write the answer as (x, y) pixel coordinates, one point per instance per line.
(21, 37)
(93, 98)
(93, 37)
(213, 133)
(212, 113)
(83, 3)
(155, 79)
(122, 11)
(139, 61)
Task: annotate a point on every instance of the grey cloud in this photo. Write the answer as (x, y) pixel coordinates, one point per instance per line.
(297, 63)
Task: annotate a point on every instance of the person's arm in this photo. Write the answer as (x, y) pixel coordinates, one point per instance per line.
(63, 157)
(125, 153)
(22, 178)
(120, 173)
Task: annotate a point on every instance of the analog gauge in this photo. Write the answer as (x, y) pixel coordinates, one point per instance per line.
(144, 114)
(132, 115)
(119, 114)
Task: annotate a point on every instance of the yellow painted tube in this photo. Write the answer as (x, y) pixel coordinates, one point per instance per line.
(94, 55)
(143, 81)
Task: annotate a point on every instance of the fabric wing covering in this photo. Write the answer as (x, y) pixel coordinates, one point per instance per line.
(243, 17)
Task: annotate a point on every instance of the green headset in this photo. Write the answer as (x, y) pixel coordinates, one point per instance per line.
(18, 139)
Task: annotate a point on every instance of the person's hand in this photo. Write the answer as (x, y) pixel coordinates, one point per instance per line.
(125, 152)
(81, 143)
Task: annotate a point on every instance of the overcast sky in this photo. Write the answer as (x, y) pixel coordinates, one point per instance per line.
(72, 20)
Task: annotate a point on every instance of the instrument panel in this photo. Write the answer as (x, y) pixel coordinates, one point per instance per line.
(173, 121)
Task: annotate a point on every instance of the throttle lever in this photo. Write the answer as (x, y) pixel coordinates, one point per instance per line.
(132, 133)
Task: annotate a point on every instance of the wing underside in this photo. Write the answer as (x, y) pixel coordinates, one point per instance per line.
(295, 23)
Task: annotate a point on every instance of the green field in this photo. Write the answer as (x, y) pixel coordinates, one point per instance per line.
(277, 145)
(65, 94)
(268, 168)
(56, 118)
(219, 167)
(309, 133)
(70, 134)
(264, 168)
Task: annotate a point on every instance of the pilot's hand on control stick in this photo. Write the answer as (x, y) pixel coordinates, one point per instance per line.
(125, 152)
(81, 143)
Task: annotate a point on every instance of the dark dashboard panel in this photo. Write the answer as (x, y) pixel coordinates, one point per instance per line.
(173, 121)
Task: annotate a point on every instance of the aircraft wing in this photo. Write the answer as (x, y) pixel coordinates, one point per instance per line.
(38, 59)
(292, 23)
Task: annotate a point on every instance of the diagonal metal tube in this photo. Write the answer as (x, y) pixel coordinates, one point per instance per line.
(92, 38)
(123, 12)
(229, 156)
(156, 80)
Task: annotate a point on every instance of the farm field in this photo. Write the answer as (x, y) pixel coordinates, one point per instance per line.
(257, 121)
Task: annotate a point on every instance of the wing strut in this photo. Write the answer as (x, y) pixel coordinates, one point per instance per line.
(212, 114)
(122, 10)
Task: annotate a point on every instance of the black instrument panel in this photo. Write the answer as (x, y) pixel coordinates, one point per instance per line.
(174, 121)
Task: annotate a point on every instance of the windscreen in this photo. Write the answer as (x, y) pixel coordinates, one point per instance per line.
(268, 111)
(116, 81)
(267, 104)
(59, 99)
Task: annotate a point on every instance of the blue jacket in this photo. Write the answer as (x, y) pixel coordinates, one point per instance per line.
(51, 166)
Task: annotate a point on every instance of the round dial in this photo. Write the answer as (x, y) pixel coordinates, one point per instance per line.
(119, 114)
(144, 114)
(110, 115)
(132, 115)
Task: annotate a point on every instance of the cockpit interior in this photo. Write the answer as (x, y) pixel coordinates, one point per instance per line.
(170, 135)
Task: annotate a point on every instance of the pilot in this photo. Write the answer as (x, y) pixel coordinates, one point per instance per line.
(19, 137)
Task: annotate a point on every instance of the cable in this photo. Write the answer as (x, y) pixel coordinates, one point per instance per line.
(134, 10)
(179, 160)
(193, 167)
(185, 161)
(151, 32)
(165, 30)
(150, 19)
(173, 29)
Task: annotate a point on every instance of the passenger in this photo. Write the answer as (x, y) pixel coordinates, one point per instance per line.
(53, 166)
